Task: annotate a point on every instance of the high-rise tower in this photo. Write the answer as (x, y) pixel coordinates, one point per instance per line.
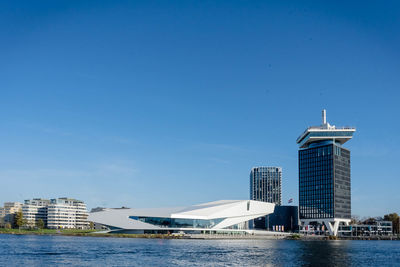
(266, 184)
(324, 175)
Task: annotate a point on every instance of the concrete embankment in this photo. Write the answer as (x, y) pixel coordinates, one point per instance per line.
(321, 237)
(221, 236)
(265, 235)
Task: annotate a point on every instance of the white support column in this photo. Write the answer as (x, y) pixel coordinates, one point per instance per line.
(331, 228)
(332, 224)
(334, 228)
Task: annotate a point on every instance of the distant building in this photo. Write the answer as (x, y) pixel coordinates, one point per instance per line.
(324, 176)
(56, 213)
(378, 228)
(2, 215)
(34, 210)
(12, 207)
(266, 184)
(67, 213)
(9, 211)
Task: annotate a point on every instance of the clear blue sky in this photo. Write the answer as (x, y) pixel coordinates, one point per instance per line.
(146, 104)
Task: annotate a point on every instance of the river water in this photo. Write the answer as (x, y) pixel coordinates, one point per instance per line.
(31, 250)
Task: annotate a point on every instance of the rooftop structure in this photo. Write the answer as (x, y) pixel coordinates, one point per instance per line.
(325, 132)
(37, 202)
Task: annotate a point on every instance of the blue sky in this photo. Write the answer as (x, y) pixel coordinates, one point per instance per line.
(146, 104)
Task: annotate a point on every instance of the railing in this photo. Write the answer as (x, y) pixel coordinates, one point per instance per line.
(322, 128)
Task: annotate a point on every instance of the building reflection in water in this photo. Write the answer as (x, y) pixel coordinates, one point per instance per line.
(325, 253)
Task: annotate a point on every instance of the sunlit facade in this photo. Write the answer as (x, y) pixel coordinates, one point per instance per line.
(34, 210)
(8, 213)
(67, 213)
(324, 175)
(215, 216)
(58, 213)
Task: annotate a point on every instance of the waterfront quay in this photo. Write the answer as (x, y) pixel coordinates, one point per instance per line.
(227, 236)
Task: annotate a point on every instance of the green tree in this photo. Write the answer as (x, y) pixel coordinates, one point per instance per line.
(394, 218)
(40, 224)
(19, 219)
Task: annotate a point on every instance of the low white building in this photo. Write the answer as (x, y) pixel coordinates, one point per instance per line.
(225, 216)
(67, 213)
(34, 210)
(58, 213)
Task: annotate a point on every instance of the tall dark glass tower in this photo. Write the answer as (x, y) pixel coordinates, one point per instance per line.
(266, 184)
(324, 175)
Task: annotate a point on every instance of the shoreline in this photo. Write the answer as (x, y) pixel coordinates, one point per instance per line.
(84, 233)
(88, 234)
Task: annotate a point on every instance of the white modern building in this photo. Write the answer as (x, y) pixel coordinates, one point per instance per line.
(59, 213)
(34, 210)
(211, 217)
(67, 213)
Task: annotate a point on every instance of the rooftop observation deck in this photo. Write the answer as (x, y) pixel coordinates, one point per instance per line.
(325, 132)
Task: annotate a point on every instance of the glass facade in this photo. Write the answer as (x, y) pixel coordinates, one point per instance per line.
(286, 216)
(266, 184)
(178, 223)
(324, 182)
(342, 195)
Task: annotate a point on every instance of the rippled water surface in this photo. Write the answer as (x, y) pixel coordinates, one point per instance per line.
(30, 250)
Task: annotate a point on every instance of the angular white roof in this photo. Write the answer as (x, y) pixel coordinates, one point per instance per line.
(231, 212)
